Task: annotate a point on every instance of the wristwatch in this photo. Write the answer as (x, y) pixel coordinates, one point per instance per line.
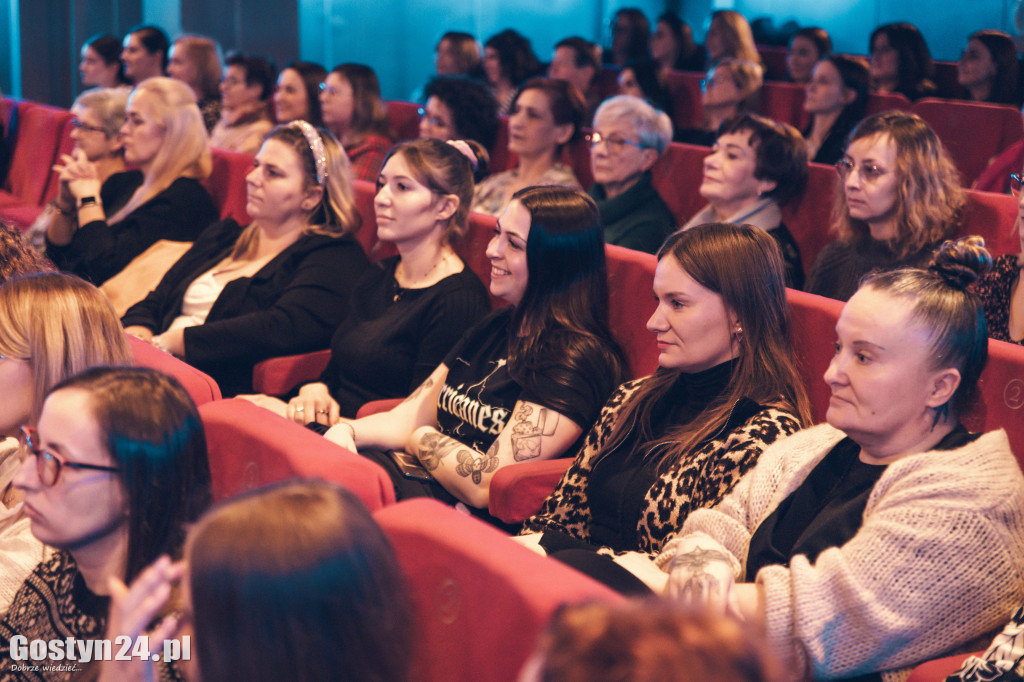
(87, 201)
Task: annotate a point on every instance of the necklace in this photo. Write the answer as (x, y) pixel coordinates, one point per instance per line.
(400, 290)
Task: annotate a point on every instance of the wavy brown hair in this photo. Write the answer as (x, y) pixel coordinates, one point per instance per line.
(743, 265)
(930, 201)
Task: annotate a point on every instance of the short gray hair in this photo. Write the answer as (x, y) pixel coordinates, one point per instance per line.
(654, 127)
(108, 104)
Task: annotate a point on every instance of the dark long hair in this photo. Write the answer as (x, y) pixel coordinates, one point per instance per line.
(155, 438)
(369, 115)
(109, 48)
(916, 65)
(312, 75)
(560, 326)
(743, 265)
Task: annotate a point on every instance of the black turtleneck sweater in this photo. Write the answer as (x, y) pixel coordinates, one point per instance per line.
(620, 480)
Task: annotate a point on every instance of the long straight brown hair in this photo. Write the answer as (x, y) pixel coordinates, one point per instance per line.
(742, 264)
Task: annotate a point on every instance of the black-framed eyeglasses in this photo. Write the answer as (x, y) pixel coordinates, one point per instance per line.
(77, 122)
(614, 142)
(1016, 182)
(49, 464)
(869, 172)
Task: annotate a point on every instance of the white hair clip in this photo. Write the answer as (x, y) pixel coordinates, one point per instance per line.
(316, 146)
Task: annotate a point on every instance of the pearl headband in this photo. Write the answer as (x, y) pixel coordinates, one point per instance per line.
(316, 146)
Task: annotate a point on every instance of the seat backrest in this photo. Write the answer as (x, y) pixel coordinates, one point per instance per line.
(808, 217)
(227, 185)
(879, 102)
(576, 155)
(684, 90)
(972, 132)
(992, 216)
(200, 386)
(472, 249)
(607, 81)
(65, 145)
(676, 176)
(784, 102)
(479, 600)
(630, 304)
(501, 158)
(38, 136)
(996, 176)
(404, 118)
(813, 319)
(774, 59)
(1001, 395)
(947, 78)
(250, 447)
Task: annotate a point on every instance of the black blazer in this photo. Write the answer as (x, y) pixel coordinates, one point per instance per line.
(292, 305)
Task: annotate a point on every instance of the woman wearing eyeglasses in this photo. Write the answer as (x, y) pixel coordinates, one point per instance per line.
(112, 473)
(52, 326)
(354, 113)
(101, 229)
(999, 290)
(901, 198)
(629, 136)
(730, 87)
(755, 167)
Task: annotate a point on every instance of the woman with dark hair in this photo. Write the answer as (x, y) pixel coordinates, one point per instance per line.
(807, 47)
(914, 551)
(901, 62)
(459, 108)
(509, 60)
(409, 312)
(673, 47)
(756, 166)
(525, 382)
(277, 287)
(457, 54)
(295, 567)
(196, 62)
(145, 53)
(837, 100)
(727, 387)
(113, 472)
(297, 95)
(645, 80)
(901, 198)
(100, 65)
(355, 114)
(631, 37)
(547, 114)
(245, 93)
(988, 68)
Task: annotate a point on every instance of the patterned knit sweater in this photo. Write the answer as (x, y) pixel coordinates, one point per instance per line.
(699, 480)
(938, 560)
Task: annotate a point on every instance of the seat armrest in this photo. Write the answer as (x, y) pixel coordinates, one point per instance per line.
(517, 491)
(278, 376)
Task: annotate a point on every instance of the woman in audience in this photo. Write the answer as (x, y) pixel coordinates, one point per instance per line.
(629, 136)
(837, 100)
(277, 287)
(297, 95)
(901, 62)
(546, 115)
(100, 65)
(727, 387)
(114, 470)
(525, 382)
(988, 68)
(245, 116)
(52, 326)
(296, 567)
(196, 62)
(807, 47)
(407, 314)
(509, 60)
(109, 224)
(631, 36)
(645, 80)
(915, 550)
(901, 198)
(729, 36)
(459, 108)
(673, 47)
(355, 114)
(1000, 291)
(99, 115)
(755, 167)
(732, 87)
(145, 53)
(457, 54)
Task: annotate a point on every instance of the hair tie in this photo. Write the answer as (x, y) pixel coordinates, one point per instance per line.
(467, 151)
(316, 146)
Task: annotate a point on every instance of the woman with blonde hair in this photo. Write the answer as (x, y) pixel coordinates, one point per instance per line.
(731, 87)
(165, 138)
(196, 62)
(52, 326)
(730, 36)
(901, 198)
(277, 287)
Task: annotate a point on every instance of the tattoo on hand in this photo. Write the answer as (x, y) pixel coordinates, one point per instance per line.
(527, 432)
(475, 466)
(422, 387)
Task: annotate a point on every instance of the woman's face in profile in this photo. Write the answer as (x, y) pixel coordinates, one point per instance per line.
(871, 184)
(882, 378)
(885, 60)
(278, 190)
(89, 136)
(437, 121)
(729, 183)
(720, 88)
(976, 66)
(142, 133)
(826, 92)
(406, 209)
(291, 101)
(507, 253)
(19, 394)
(800, 59)
(95, 71)
(663, 43)
(337, 102)
(628, 84)
(532, 130)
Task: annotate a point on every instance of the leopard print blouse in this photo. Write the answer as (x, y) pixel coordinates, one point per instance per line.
(700, 480)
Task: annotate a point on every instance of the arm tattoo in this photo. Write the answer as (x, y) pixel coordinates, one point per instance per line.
(697, 561)
(527, 431)
(422, 387)
(476, 465)
(431, 450)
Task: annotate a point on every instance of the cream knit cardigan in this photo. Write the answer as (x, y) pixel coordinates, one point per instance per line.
(938, 561)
